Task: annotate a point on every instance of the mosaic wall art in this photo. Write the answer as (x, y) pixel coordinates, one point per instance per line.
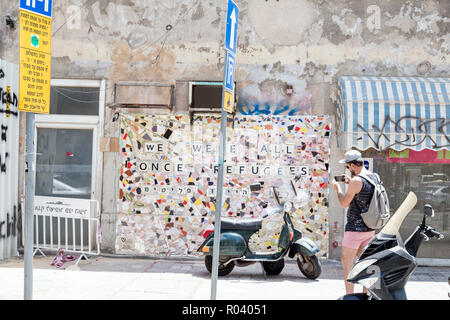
(168, 173)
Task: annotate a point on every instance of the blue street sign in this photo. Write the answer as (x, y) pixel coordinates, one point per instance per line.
(43, 7)
(229, 72)
(366, 164)
(232, 23)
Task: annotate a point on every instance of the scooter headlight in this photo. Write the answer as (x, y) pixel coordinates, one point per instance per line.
(288, 206)
(361, 266)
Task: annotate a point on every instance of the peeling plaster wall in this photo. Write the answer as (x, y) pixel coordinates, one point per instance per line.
(301, 43)
(310, 44)
(306, 42)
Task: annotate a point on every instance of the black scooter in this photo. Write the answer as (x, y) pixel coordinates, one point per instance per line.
(386, 264)
(235, 235)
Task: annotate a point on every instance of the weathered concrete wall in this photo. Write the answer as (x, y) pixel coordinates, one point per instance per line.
(306, 44)
(301, 43)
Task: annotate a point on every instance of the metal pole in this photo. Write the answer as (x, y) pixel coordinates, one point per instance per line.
(29, 209)
(231, 23)
(219, 204)
(219, 196)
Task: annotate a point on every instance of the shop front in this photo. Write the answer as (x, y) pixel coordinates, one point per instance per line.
(401, 126)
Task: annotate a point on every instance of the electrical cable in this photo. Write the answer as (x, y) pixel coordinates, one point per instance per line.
(165, 36)
(156, 59)
(65, 21)
(78, 91)
(74, 99)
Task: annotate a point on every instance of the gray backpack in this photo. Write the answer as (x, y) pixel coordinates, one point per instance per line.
(378, 213)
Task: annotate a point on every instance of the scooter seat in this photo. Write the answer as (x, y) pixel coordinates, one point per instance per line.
(239, 224)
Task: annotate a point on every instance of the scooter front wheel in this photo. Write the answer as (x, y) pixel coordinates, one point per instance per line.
(223, 269)
(309, 266)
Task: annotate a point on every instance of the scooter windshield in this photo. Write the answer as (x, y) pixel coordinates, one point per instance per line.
(284, 190)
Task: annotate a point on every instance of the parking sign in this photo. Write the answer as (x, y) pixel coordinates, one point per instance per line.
(229, 72)
(43, 7)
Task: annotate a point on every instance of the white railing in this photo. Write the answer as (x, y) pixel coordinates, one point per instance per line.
(69, 224)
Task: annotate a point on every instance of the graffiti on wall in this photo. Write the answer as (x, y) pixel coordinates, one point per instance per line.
(168, 178)
(8, 226)
(8, 99)
(9, 135)
(253, 101)
(268, 109)
(420, 131)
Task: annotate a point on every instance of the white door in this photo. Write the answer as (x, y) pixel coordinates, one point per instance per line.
(68, 166)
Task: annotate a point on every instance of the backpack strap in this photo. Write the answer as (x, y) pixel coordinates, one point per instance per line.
(371, 181)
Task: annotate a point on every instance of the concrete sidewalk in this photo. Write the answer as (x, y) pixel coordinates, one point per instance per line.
(125, 278)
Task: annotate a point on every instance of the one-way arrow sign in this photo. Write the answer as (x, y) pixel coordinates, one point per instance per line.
(232, 23)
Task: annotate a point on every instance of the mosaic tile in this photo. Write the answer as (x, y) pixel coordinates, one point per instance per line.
(168, 173)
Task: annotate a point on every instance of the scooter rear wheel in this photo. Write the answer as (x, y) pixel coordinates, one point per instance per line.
(223, 269)
(309, 266)
(273, 268)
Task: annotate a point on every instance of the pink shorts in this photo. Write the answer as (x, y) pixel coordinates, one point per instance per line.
(356, 240)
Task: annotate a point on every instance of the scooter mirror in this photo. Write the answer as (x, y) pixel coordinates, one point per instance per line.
(275, 193)
(428, 210)
(293, 187)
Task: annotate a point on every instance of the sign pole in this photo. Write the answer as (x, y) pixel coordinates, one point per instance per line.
(227, 107)
(34, 97)
(29, 208)
(219, 204)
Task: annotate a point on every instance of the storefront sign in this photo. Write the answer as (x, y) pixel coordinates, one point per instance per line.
(35, 55)
(424, 156)
(62, 207)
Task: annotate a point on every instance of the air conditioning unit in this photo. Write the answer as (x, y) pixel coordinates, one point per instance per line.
(205, 96)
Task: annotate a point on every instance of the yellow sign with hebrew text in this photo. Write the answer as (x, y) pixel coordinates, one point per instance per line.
(35, 60)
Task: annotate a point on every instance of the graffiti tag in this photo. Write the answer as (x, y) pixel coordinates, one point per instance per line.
(413, 138)
(9, 226)
(4, 128)
(267, 109)
(8, 99)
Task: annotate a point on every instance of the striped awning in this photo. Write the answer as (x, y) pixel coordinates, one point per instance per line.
(394, 112)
